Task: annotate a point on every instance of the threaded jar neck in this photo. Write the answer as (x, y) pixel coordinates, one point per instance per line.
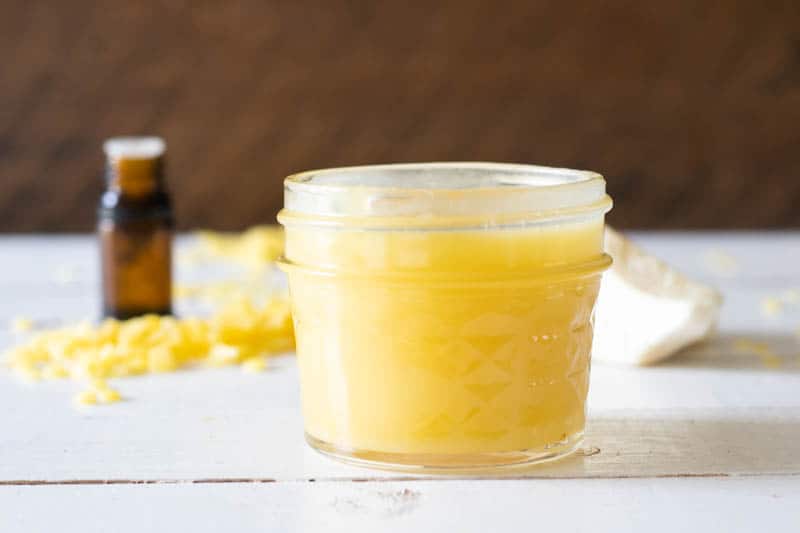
(442, 196)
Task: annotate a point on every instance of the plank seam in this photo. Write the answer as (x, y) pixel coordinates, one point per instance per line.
(202, 481)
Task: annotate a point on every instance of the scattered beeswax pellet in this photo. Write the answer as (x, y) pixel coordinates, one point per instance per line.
(21, 324)
(109, 395)
(254, 364)
(240, 332)
(87, 397)
(257, 247)
(761, 349)
(54, 371)
(771, 306)
(219, 292)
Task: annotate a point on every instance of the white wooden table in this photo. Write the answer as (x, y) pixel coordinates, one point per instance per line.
(709, 441)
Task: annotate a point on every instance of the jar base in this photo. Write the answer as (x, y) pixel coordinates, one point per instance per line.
(457, 464)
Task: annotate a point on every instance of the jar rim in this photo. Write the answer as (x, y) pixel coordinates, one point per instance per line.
(412, 194)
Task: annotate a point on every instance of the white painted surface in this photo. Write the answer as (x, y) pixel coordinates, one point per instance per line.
(621, 505)
(712, 411)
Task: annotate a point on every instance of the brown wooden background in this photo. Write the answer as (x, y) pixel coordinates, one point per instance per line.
(690, 108)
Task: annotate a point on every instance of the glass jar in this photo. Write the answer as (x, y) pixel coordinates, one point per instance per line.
(443, 311)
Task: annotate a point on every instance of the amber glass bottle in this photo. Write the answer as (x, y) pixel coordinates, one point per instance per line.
(135, 229)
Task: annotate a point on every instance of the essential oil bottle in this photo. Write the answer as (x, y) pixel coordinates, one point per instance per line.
(135, 225)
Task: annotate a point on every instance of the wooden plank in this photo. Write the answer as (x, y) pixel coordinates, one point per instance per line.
(762, 257)
(55, 279)
(714, 410)
(222, 424)
(631, 505)
(763, 260)
(730, 259)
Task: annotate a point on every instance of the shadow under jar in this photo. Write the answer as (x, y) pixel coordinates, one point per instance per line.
(443, 311)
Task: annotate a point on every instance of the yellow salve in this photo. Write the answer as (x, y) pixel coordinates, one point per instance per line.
(431, 342)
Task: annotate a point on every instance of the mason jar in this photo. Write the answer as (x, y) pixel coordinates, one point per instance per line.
(443, 311)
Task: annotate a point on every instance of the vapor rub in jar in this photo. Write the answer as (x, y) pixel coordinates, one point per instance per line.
(443, 311)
